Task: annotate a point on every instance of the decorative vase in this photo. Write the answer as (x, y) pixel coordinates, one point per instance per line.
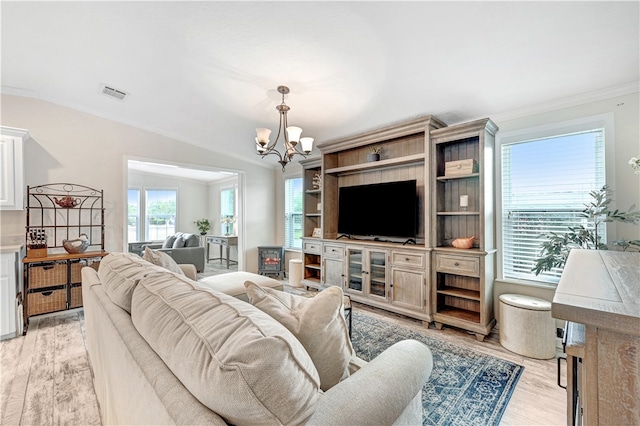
(463, 243)
(373, 157)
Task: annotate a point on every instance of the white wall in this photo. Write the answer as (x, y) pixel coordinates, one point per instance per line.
(625, 183)
(70, 146)
(193, 197)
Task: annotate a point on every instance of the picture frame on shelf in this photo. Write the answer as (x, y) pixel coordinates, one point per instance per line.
(317, 233)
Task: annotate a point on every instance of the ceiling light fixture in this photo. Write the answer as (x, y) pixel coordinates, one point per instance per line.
(291, 137)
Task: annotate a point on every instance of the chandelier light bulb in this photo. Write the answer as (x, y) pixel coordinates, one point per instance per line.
(307, 144)
(294, 133)
(263, 136)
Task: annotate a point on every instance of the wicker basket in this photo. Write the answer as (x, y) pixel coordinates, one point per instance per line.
(76, 297)
(47, 275)
(76, 272)
(46, 301)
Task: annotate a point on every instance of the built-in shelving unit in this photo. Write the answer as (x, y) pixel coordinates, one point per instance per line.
(462, 278)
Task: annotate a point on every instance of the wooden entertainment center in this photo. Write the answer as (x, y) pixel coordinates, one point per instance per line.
(429, 280)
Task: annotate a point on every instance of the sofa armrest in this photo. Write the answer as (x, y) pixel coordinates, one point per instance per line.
(189, 270)
(380, 391)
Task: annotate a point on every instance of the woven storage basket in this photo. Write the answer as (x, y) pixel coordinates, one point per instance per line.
(76, 297)
(46, 301)
(76, 272)
(47, 275)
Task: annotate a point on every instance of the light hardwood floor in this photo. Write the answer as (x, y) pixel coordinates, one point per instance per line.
(54, 387)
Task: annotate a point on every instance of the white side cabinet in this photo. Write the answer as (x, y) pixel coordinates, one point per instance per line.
(12, 168)
(10, 279)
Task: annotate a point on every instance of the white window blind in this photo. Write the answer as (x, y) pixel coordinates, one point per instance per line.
(293, 213)
(545, 185)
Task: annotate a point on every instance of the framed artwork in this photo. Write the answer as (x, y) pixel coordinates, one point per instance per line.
(317, 233)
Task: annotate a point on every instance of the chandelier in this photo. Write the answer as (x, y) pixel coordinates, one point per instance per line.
(292, 140)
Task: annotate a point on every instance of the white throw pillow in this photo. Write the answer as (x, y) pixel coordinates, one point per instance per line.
(161, 259)
(317, 322)
(232, 357)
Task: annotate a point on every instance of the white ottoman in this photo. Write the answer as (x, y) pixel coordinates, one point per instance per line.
(526, 326)
(232, 283)
(295, 272)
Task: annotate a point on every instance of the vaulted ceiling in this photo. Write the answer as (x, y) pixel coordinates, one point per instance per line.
(206, 72)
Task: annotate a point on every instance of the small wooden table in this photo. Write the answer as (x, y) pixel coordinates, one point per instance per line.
(223, 241)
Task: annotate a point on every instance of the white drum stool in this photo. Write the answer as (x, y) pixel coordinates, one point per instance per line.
(526, 326)
(295, 272)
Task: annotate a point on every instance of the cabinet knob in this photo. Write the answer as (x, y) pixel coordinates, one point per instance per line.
(406, 259)
(456, 264)
(391, 285)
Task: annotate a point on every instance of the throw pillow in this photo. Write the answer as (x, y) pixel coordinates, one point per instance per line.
(168, 243)
(179, 242)
(191, 240)
(161, 259)
(317, 322)
(232, 357)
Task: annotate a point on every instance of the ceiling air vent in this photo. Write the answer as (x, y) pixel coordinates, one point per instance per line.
(114, 93)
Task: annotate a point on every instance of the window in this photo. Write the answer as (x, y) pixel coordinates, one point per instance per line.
(160, 213)
(545, 183)
(133, 215)
(293, 213)
(228, 210)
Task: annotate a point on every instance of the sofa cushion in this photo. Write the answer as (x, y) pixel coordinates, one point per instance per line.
(179, 242)
(120, 273)
(168, 242)
(317, 322)
(162, 259)
(191, 240)
(234, 358)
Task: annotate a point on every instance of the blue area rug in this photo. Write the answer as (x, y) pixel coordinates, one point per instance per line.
(465, 387)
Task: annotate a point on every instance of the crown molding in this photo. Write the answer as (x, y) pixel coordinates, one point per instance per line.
(594, 96)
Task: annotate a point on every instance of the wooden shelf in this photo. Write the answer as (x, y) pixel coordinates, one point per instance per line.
(461, 314)
(458, 213)
(312, 280)
(377, 165)
(65, 256)
(313, 214)
(459, 292)
(470, 175)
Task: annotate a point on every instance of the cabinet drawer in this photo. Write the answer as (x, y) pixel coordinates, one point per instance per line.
(214, 240)
(407, 259)
(333, 250)
(311, 247)
(458, 265)
(47, 275)
(41, 302)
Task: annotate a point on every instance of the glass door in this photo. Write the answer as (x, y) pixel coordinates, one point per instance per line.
(377, 273)
(355, 271)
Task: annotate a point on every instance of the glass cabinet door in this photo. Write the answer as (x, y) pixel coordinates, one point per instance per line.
(377, 273)
(355, 271)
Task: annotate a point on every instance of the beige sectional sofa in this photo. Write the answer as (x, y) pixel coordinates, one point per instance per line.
(167, 350)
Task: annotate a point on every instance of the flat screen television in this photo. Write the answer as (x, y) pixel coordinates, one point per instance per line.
(381, 210)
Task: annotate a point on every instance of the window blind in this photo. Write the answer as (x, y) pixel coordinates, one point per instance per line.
(545, 186)
(293, 213)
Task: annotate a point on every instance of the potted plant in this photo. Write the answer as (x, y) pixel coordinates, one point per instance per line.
(203, 226)
(556, 249)
(374, 153)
